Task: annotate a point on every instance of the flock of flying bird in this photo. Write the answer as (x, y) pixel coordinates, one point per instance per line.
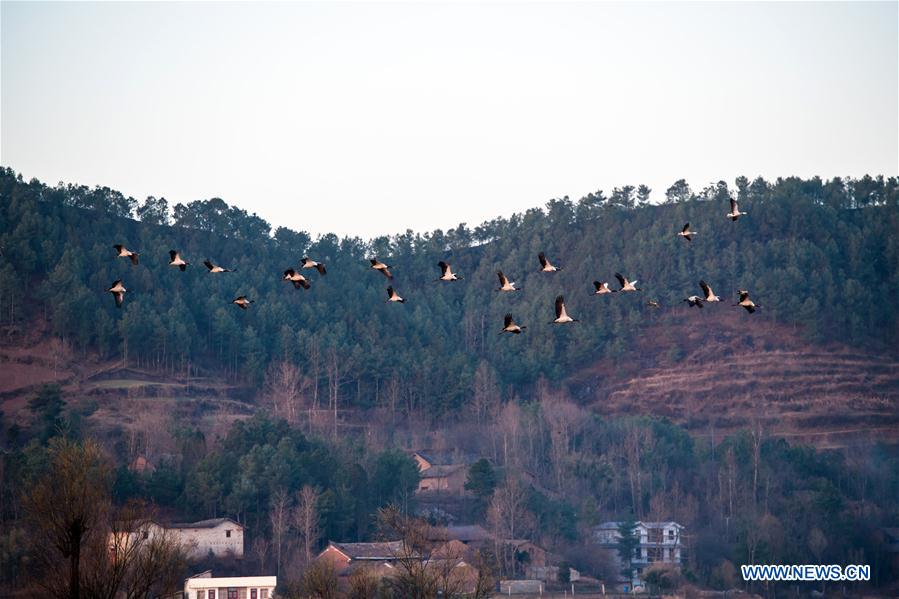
(447, 275)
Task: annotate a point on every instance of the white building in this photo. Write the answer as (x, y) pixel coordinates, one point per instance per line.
(204, 586)
(218, 536)
(659, 543)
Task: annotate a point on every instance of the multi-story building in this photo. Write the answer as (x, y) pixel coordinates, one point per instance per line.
(658, 543)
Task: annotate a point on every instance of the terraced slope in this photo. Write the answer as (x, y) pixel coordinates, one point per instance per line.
(719, 370)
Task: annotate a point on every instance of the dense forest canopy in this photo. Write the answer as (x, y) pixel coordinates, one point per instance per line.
(823, 256)
(820, 254)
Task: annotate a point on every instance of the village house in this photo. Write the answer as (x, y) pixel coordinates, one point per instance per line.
(344, 555)
(439, 474)
(386, 559)
(204, 586)
(218, 537)
(659, 543)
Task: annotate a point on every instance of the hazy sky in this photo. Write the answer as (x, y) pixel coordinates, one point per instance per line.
(373, 118)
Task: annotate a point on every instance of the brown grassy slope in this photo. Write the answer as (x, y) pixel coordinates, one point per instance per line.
(720, 369)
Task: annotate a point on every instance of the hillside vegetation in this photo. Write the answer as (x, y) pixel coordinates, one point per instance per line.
(821, 258)
(186, 403)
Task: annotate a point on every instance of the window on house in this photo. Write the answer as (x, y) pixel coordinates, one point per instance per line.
(670, 534)
(253, 594)
(201, 594)
(654, 554)
(211, 593)
(228, 534)
(263, 593)
(655, 535)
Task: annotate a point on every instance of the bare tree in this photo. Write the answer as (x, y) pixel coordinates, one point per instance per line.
(64, 509)
(260, 549)
(306, 519)
(413, 578)
(279, 509)
(363, 584)
(284, 389)
(320, 580)
(333, 369)
(86, 547)
(485, 391)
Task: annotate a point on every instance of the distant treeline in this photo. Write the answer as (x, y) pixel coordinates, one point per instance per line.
(823, 255)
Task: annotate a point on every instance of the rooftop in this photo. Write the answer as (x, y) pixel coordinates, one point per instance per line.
(210, 523)
(389, 550)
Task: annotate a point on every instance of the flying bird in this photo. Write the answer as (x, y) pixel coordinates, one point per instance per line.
(381, 267)
(686, 233)
(215, 268)
(242, 302)
(118, 291)
(505, 284)
(709, 294)
(625, 284)
(734, 213)
(694, 301)
(393, 296)
(545, 265)
(509, 326)
(653, 304)
(602, 288)
(561, 315)
(123, 252)
(310, 263)
(746, 302)
(296, 278)
(176, 260)
(446, 273)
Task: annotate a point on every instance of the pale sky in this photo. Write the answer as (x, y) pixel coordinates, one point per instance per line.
(368, 119)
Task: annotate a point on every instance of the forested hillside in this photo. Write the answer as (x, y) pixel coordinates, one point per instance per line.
(210, 395)
(820, 256)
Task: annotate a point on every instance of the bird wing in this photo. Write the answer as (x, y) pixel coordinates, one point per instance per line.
(705, 288)
(621, 279)
(135, 258)
(173, 254)
(744, 295)
(374, 262)
(444, 268)
(733, 206)
(686, 228)
(320, 268)
(209, 264)
(598, 285)
(507, 321)
(502, 278)
(560, 306)
(390, 292)
(289, 272)
(543, 260)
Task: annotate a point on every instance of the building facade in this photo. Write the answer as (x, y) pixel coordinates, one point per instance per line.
(440, 477)
(658, 543)
(204, 586)
(218, 536)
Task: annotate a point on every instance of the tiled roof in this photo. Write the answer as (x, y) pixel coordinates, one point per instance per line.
(371, 551)
(210, 523)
